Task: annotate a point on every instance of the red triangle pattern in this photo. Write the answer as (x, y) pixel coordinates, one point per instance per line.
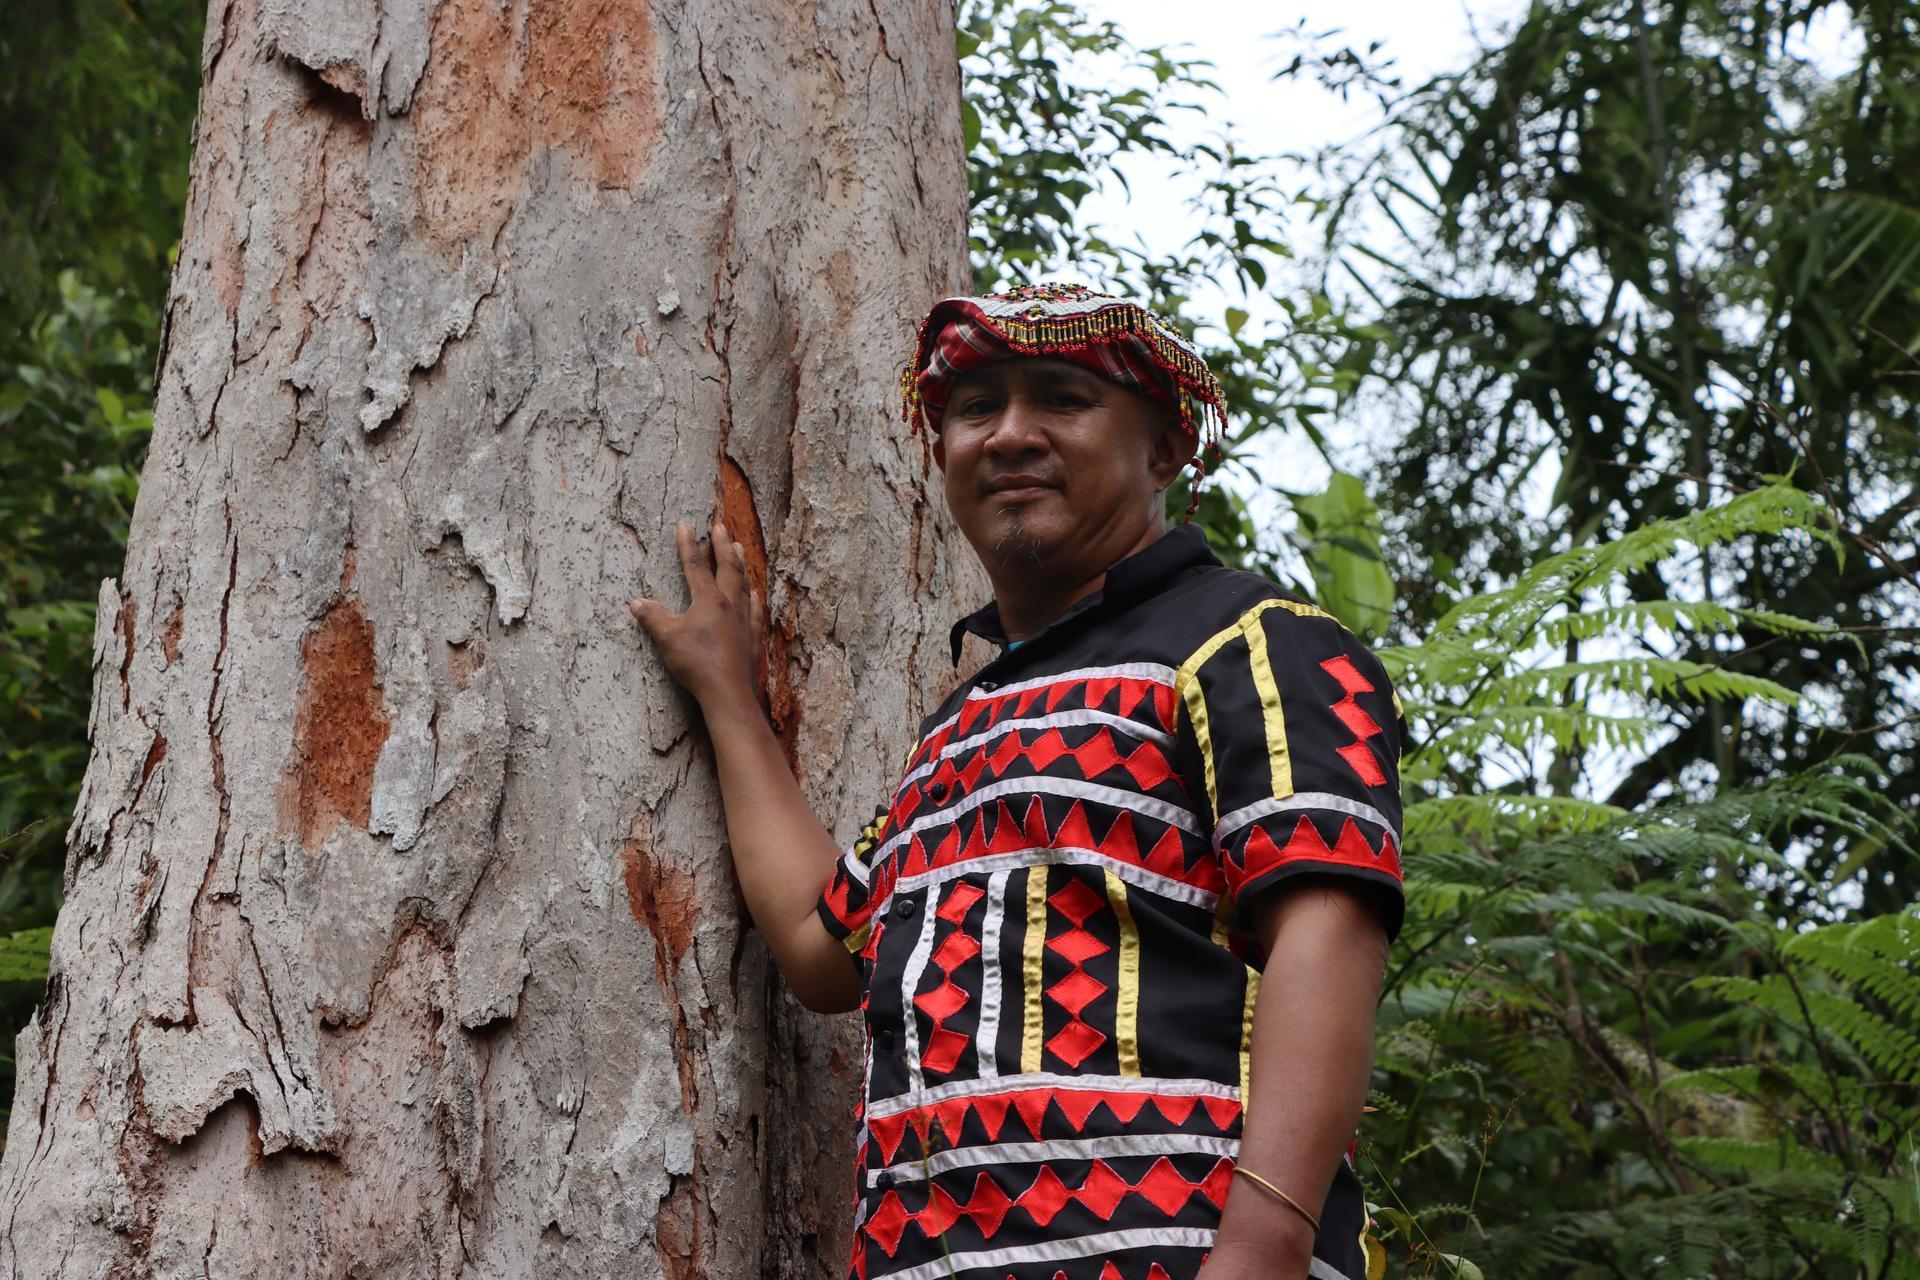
(1352, 849)
(839, 898)
(1122, 697)
(1357, 754)
(1119, 695)
(1073, 1106)
(1020, 823)
(1101, 1191)
(1145, 765)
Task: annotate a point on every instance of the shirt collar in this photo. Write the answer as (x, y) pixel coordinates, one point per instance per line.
(1142, 574)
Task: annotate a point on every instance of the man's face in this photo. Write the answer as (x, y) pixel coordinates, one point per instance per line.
(1053, 472)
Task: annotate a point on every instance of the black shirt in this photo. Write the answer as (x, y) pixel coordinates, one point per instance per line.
(1049, 916)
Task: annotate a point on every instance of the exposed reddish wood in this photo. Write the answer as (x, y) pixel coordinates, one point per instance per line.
(505, 78)
(155, 754)
(677, 1229)
(170, 633)
(339, 726)
(777, 645)
(663, 898)
(463, 660)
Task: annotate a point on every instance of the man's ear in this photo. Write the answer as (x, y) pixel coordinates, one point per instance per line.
(939, 451)
(1172, 449)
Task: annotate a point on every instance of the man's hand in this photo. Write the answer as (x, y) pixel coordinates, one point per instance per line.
(714, 647)
(780, 852)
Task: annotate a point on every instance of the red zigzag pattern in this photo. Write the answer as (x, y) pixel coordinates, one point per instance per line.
(1352, 849)
(1012, 834)
(1120, 697)
(1101, 1191)
(1075, 1106)
(1146, 765)
(1357, 754)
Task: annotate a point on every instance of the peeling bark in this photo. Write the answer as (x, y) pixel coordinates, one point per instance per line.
(400, 938)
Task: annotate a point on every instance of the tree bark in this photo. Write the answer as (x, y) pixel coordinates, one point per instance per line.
(400, 937)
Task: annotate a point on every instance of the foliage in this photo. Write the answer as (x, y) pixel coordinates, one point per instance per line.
(23, 955)
(1592, 1048)
(1635, 256)
(99, 98)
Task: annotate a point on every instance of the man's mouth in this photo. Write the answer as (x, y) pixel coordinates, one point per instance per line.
(1019, 486)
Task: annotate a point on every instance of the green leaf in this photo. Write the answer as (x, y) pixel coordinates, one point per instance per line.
(1343, 553)
(23, 955)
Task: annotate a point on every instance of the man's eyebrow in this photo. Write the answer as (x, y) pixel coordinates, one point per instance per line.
(1054, 374)
(988, 379)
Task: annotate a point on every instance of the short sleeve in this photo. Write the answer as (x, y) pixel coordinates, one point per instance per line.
(1296, 732)
(846, 905)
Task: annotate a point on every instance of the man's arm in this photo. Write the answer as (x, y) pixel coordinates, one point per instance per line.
(781, 853)
(1311, 1057)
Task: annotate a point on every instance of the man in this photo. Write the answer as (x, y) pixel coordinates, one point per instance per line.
(1119, 932)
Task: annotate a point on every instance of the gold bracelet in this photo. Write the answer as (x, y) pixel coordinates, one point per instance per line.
(1283, 1197)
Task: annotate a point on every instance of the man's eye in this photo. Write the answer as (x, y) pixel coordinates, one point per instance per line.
(977, 405)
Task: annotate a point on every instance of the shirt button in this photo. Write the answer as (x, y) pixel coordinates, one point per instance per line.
(883, 1179)
(904, 909)
(937, 792)
(987, 686)
(883, 1040)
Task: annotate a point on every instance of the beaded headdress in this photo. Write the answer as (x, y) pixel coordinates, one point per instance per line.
(1114, 337)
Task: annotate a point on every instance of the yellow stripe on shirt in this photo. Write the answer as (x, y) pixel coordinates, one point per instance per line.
(1187, 682)
(1033, 1027)
(1126, 1015)
(1279, 758)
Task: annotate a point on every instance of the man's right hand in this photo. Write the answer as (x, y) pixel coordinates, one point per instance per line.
(783, 856)
(714, 647)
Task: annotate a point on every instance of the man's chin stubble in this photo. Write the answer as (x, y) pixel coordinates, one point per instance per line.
(1016, 542)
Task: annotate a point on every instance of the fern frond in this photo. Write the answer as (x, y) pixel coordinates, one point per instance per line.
(1517, 718)
(1640, 678)
(1609, 904)
(1773, 510)
(1487, 812)
(1639, 616)
(1784, 1156)
(1882, 965)
(1888, 1047)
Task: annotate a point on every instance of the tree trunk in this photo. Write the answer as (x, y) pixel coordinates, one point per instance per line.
(400, 937)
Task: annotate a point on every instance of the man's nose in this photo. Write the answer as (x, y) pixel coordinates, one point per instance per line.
(1017, 430)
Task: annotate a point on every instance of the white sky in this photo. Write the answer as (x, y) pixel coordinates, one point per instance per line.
(1237, 36)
